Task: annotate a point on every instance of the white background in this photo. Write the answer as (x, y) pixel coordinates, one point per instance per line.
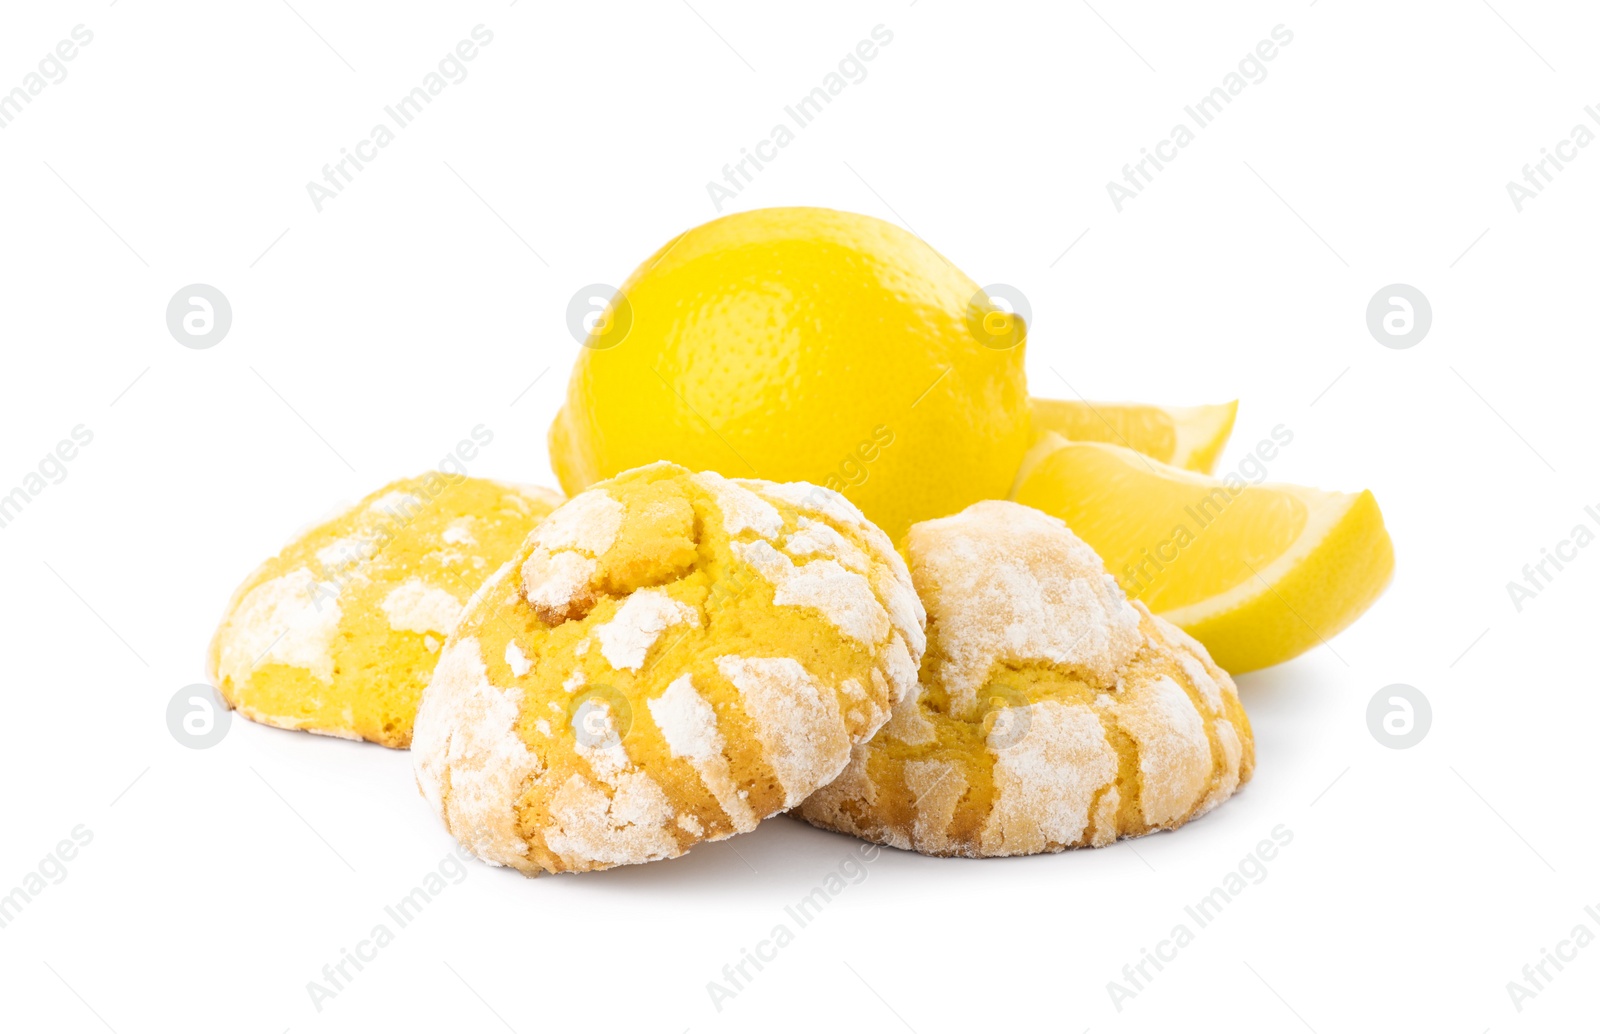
(370, 337)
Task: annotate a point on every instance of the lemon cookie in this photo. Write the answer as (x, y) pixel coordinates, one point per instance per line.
(1051, 712)
(670, 658)
(338, 634)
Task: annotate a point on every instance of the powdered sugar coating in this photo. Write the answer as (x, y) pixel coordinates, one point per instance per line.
(689, 725)
(1174, 753)
(844, 597)
(516, 660)
(797, 722)
(742, 509)
(900, 599)
(937, 787)
(1046, 782)
(554, 583)
(472, 767)
(459, 533)
(416, 606)
(588, 522)
(343, 551)
(283, 621)
(339, 632)
(816, 501)
(687, 722)
(1013, 586)
(626, 639)
(556, 576)
(815, 538)
(628, 826)
(729, 676)
(1093, 719)
(397, 504)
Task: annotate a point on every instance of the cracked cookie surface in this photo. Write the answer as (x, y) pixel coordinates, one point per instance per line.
(1050, 713)
(670, 658)
(339, 633)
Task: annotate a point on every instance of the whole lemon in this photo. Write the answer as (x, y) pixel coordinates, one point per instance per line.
(804, 344)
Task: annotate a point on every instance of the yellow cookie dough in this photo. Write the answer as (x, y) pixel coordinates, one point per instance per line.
(1051, 713)
(670, 658)
(339, 633)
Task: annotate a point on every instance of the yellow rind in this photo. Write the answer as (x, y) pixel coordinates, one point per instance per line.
(1334, 569)
(1190, 437)
(1300, 605)
(803, 344)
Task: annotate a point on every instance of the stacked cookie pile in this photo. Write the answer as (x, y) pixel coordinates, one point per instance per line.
(670, 657)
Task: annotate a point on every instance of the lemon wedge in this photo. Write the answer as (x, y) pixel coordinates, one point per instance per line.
(1259, 573)
(1190, 437)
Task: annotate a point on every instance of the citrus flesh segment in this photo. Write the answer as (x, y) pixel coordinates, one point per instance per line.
(1190, 437)
(1258, 573)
